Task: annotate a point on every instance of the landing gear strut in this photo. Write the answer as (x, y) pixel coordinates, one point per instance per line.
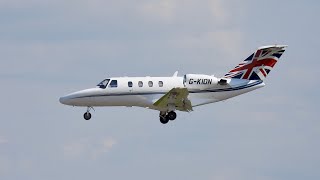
(163, 117)
(166, 117)
(87, 115)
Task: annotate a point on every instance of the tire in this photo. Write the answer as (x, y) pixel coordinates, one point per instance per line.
(164, 120)
(87, 116)
(172, 115)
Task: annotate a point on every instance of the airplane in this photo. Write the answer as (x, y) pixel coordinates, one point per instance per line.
(170, 94)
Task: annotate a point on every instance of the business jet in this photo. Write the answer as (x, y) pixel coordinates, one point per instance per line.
(170, 94)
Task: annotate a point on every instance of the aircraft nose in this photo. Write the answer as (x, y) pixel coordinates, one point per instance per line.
(79, 98)
(64, 100)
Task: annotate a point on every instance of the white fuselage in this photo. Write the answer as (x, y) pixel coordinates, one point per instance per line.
(170, 94)
(145, 91)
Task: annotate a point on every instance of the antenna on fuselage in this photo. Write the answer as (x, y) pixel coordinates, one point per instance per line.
(175, 74)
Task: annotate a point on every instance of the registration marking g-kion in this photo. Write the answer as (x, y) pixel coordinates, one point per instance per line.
(200, 81)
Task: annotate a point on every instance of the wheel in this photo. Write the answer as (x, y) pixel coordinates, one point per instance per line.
(164, 120)
(87, 116)
(172, 115)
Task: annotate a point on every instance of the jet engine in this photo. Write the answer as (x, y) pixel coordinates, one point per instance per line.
(200, 81)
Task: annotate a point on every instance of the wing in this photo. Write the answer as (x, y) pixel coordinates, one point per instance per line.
(177, 98)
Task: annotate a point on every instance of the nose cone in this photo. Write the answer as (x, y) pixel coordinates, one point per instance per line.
(64, 100)
(80, 98)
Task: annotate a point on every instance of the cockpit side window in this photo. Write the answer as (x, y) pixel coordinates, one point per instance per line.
(104, 83)
(113, 83)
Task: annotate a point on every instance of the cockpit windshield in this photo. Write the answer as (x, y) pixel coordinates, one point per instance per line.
(104, 83)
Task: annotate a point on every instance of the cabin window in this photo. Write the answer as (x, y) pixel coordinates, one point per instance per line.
(130, 84)
(140, 83)
(160, 83)
(150, 83)
(113, 83)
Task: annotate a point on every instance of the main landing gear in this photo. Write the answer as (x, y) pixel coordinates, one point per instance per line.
(166, 117)
(87, 115)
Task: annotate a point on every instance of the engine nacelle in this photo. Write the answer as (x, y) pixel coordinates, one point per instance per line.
(200, 81)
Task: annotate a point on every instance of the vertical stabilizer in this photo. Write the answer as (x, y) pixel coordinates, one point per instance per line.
(259, 64)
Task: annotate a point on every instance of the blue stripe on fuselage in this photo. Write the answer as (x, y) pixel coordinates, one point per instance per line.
(190, 91)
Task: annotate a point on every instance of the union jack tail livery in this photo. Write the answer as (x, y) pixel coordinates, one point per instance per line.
(259, 64)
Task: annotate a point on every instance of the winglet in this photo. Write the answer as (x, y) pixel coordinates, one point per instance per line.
(175, 74)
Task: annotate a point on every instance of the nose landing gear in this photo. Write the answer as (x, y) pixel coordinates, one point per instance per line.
(87, 115)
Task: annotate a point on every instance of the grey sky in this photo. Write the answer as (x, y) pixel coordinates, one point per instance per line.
(50, 48)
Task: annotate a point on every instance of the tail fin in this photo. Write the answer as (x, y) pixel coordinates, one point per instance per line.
(259, 64)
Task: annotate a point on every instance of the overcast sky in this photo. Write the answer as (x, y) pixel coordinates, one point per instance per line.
(51, 48)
